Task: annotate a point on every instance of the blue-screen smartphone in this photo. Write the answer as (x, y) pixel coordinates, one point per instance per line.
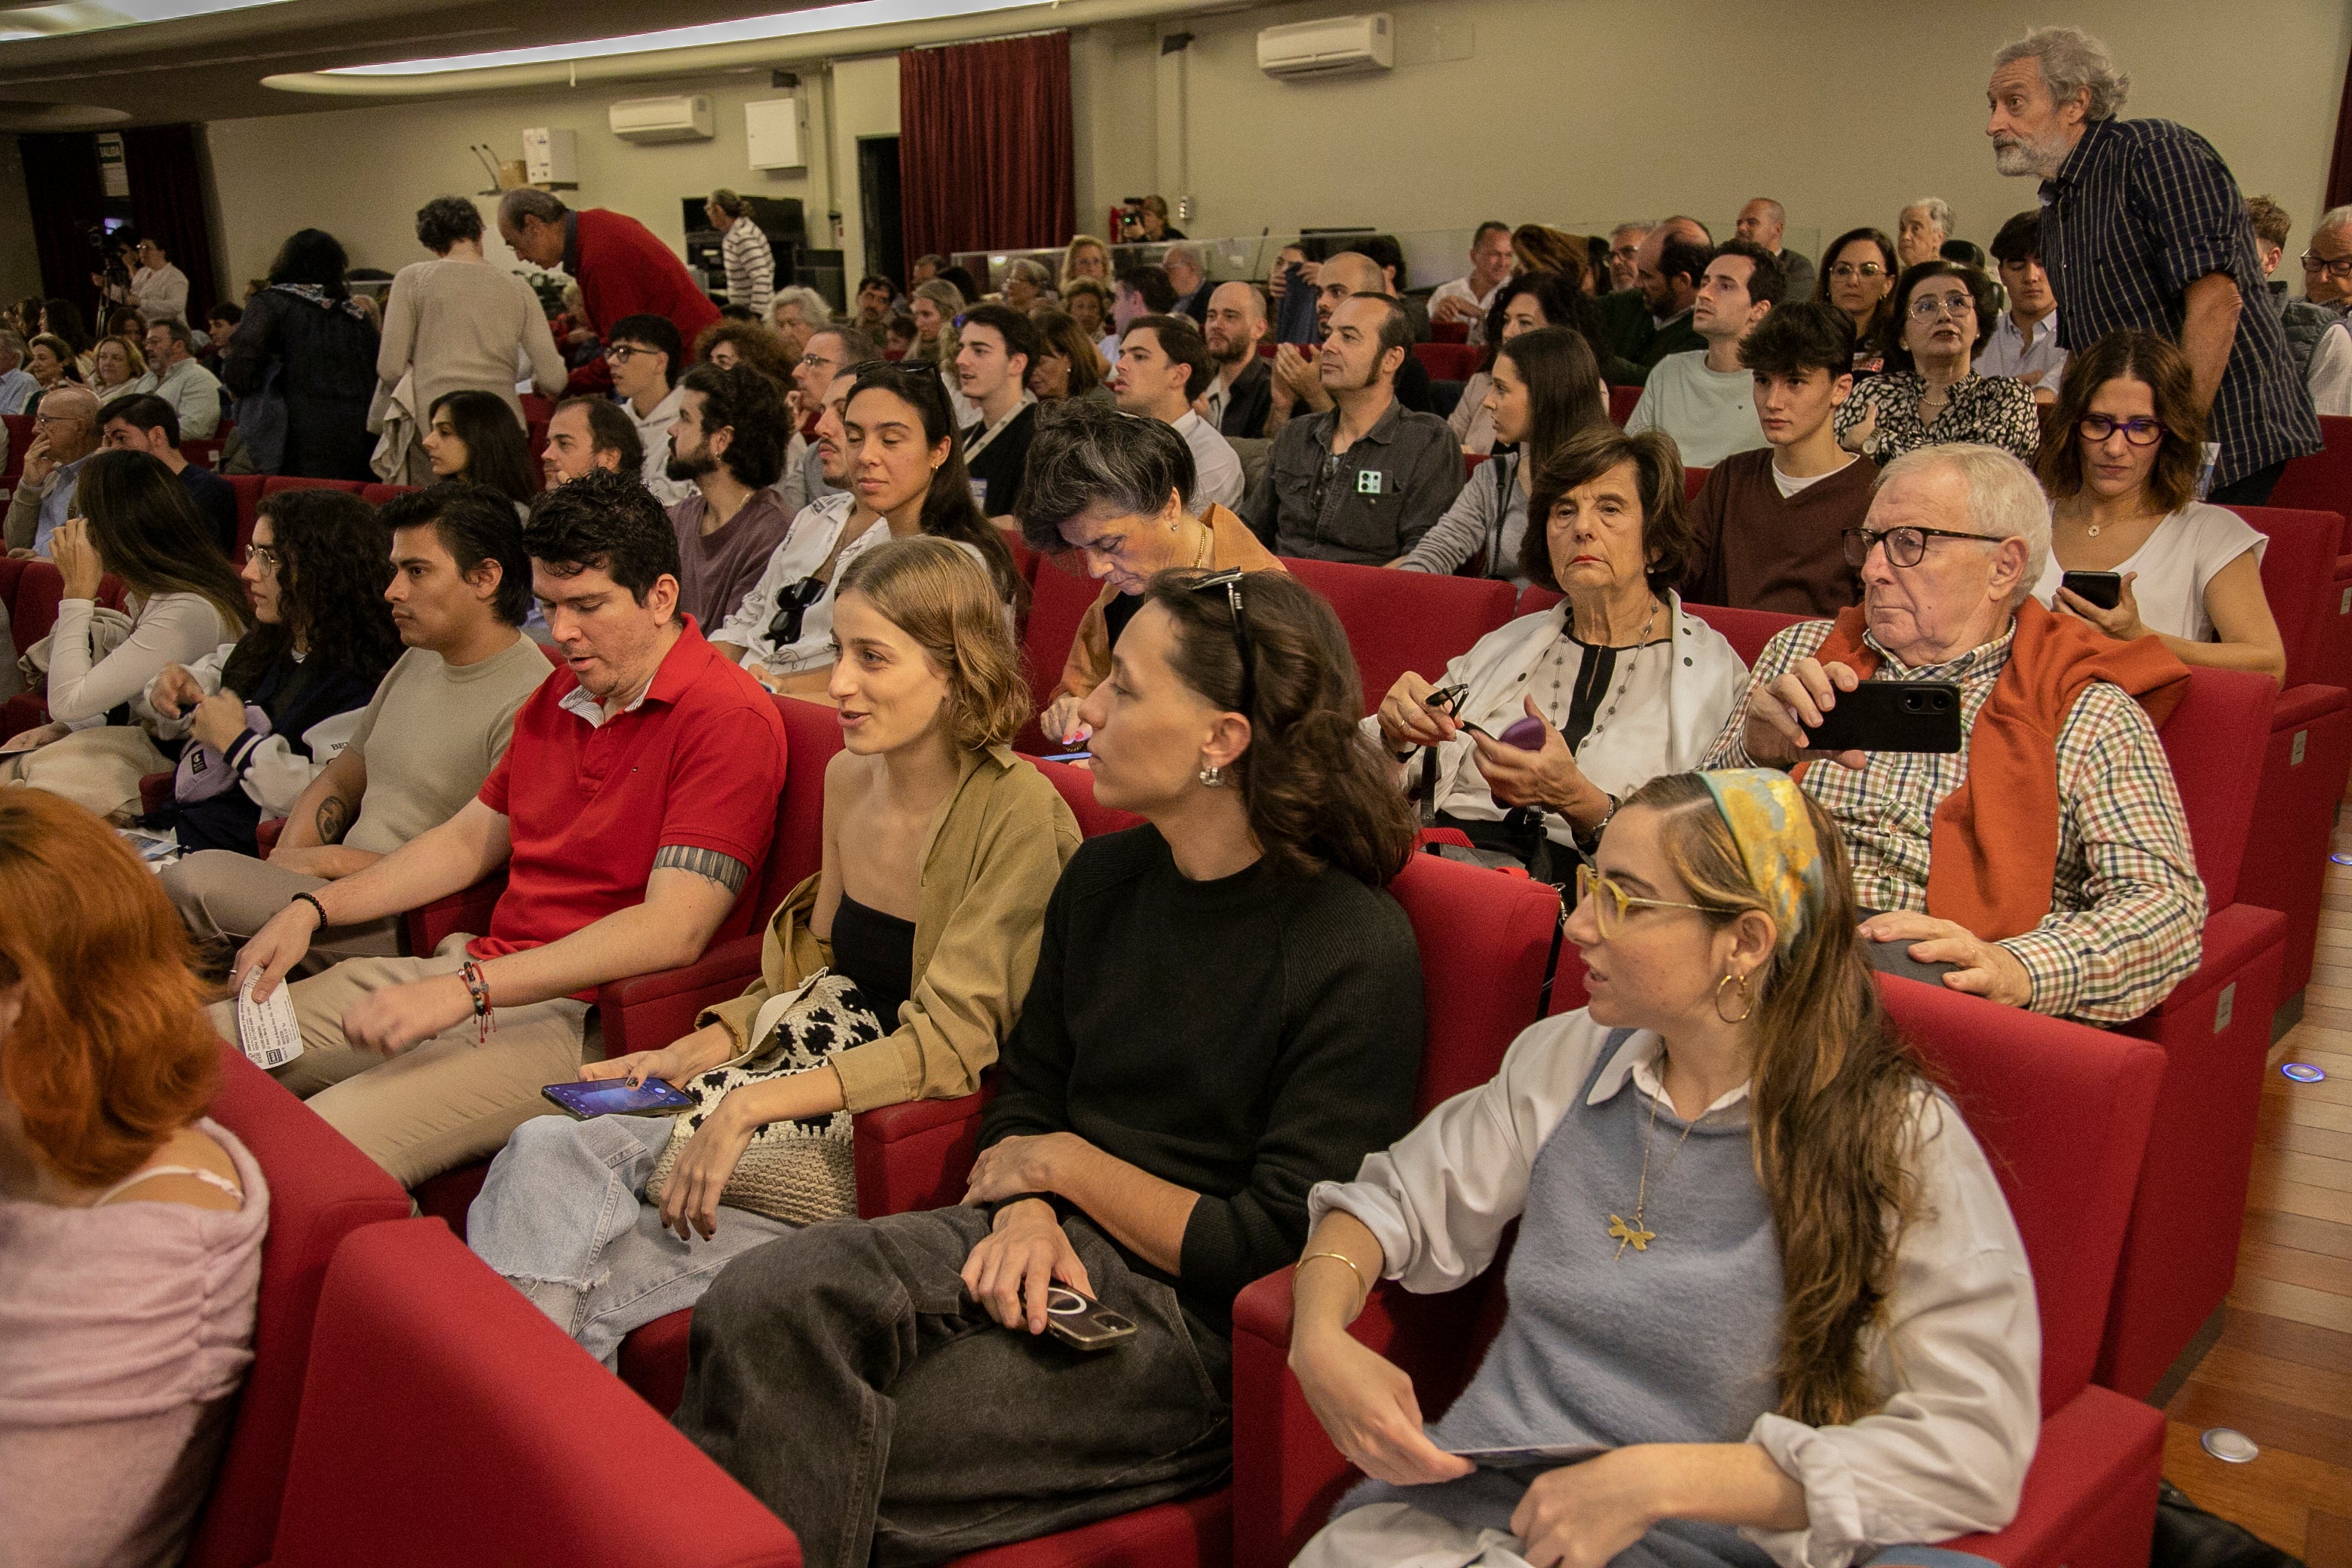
(612, 1096)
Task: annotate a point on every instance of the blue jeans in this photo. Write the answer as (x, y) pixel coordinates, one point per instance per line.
(562, 1217)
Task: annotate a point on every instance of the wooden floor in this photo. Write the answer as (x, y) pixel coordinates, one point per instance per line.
(2282, 1371)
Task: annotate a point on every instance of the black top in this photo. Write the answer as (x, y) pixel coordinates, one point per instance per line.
(1245, 1037)
(1118, 613)
(1001, 464)
(297, 701)
(878, 952)
(1249, 401)
(216, 502)
(325, 355)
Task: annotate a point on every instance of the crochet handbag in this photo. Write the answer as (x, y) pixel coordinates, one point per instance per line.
(801, 1171)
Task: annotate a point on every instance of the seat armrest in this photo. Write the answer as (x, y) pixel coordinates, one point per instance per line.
(429, 925)
(916, 1154)
(2232, 938)
(646, 1012)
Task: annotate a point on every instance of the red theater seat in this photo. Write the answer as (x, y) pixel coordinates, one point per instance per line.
(32, 590)
(1397, 621)
(321, 1189)
(2062, 1113)
(1621, 403)
(445, 1421)
(274, 483)
(248, 487)
(1449, 362)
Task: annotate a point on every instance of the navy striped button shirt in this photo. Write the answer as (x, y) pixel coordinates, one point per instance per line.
(2140, 210)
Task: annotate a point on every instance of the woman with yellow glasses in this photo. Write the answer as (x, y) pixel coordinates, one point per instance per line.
(1764, 1278)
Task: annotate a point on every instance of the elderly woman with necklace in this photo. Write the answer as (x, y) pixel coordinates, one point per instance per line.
(1939, 320)
(1764, 1276)
(1624, 683)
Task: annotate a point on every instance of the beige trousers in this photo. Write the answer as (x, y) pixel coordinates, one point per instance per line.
(97, 769)
(225, 897)
(443, 1101)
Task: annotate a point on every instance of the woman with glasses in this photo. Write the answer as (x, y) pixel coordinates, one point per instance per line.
(893, 973)
(1614, 685)
(1764, 1274)
(1857, 274)
(1085, 257)
(1227, 1009)
(902, 473)
(2121, 468)
(1940, 315)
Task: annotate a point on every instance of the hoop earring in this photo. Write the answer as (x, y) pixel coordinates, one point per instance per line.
(1747, 1011)
(1214, 778)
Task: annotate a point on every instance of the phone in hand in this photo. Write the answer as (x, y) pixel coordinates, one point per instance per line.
(1892, 715)
(1080, 755)
(2104, 589)
(1084, 1323)
(612, 1096)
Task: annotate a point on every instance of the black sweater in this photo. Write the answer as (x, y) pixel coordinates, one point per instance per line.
(1245, 1037)
(1003, 461)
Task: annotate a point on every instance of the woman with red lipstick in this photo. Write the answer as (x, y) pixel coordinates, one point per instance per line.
(893, 974)
(1940, 318)
(2121, 469)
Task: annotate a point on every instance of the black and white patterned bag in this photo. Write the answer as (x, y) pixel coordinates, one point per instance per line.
(797, 1171)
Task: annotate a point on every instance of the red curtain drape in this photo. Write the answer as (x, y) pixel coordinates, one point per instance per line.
(63, 189)
(167, 200)
(984, 145)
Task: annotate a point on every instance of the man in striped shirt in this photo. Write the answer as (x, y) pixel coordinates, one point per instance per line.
(2143, 226)
(751, 263)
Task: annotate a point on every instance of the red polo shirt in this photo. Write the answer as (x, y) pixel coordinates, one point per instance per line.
(698, 762)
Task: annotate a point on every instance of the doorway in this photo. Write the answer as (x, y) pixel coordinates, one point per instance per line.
(878, 197)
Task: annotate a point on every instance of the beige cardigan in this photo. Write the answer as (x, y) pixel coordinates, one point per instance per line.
(989, 862)
(1231, 544)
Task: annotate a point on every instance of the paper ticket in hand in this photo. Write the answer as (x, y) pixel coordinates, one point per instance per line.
(267, 1030)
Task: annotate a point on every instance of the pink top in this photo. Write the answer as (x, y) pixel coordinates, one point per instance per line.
(119, 1325)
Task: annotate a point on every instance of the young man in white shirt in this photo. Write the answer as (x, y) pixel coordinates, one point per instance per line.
(1467, 300)
(194, 391)
(996, 346)
(1703, 397)
(1163, 365)
(646, 354)
(2025, 339)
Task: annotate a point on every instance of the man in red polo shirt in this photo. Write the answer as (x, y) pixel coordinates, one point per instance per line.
(623, 270)
(633, 807)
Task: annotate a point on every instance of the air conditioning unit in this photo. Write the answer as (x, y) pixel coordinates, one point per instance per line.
(1335, 46)
(680, 119)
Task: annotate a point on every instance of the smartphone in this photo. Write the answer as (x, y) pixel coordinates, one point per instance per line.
(1082, 1323)
(612, 1096)
(1893, 716)
(1525, 1465)
(1078, 756)
(2104, 589)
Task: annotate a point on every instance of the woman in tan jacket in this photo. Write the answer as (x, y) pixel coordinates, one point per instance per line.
(1110, 487)
(894, 974)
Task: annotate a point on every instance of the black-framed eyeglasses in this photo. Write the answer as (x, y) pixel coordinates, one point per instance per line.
(791, 610)
(2138, 432)
(1230, 580)
(2333, 266)
(1905, 546)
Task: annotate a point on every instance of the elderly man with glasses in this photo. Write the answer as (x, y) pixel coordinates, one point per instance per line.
(2046, 863)
(2322, 313)
(65, 433)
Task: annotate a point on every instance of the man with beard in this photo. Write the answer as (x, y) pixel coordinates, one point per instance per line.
(729, 443)
(1297, 375)
(1242, 388)
(2143, 226)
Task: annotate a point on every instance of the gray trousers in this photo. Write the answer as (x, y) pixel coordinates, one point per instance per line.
(225, 897)
(842, 1374)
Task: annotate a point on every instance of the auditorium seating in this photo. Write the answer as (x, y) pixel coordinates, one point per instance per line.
(1397, 621)
(31, 590)
(1621, 403)
(321, 1188)
(2062, 1113)
(445, 1421)
(2323, 481)
(249, 508)
(1449, 362)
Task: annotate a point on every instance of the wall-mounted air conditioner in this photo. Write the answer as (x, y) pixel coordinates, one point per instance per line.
(1335, 46)
(680, 119)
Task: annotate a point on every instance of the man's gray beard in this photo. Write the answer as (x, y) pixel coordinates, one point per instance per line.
(2022, 159)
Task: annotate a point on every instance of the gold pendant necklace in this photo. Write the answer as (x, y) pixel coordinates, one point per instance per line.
(1631, 1233)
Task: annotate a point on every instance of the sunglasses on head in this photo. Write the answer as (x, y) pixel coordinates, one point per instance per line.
(1230, 580)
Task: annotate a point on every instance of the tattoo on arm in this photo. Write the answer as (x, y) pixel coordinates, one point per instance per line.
(708, 864)
(335, 819)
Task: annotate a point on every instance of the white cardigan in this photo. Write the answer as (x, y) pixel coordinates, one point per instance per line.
(1704, 680)
(275, 773)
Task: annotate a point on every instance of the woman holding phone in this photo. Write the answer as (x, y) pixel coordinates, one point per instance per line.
(1763, 1269)
(2121, 468)
(893, 966)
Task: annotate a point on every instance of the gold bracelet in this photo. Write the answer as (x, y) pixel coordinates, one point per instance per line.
(1344, 1258)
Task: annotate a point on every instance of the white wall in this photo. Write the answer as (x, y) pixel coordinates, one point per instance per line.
(1580, 112)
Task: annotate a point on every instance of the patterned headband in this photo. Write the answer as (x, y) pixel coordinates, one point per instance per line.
(1765, 810)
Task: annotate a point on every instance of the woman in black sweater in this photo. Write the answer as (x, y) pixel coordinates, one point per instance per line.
(302, 366)
(1227, 1009)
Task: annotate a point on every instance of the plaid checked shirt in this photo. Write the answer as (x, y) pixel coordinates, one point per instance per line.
(2140, 210)
(2126, 909)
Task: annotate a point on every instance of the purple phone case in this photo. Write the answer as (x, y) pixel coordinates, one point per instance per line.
(1527, 734)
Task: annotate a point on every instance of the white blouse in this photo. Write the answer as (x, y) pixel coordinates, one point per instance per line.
(2184, 553)
(1961, 1348)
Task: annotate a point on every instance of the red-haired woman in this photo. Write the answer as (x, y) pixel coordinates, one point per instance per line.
(130, 1226)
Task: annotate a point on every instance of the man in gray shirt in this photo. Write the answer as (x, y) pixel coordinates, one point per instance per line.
(1365, 478)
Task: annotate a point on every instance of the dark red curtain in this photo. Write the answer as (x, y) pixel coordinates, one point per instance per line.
(2339, 167)
(167, 200)
(984, 145)
(63, 189)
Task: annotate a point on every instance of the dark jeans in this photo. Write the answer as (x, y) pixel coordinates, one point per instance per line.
(845, 1376)
(2248, 490)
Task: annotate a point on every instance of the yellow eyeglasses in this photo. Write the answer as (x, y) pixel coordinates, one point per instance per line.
(1610, 903)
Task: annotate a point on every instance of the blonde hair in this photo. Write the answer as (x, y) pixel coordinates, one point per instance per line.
(934, 592)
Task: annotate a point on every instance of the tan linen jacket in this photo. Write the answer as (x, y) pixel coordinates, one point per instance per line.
(990, 861)
(1232, 544)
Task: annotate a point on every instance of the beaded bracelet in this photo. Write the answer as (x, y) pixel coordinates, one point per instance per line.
(486, 1021)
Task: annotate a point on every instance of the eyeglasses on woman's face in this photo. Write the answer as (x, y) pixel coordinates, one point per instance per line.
(1847, 271)
(1613, 904)
(1928, 307)
(2142, 431)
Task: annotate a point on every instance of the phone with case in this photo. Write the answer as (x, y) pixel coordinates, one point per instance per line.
(1892, 715)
